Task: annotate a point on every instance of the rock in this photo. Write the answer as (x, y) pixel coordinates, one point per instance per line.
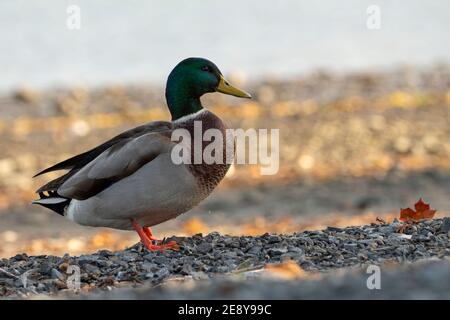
(105, 253)
(186, 269)
(150, 256)
(87, 259)
(273, 239)
(91, 268)
(334, 229)
(162, 273)
(129, 256)
(350, 246)
(445, 227)
(20, 257)
(55, 274)
(45, 269)
(296, 250)
(204, 247)
(149, 267)
(254, 250)
(160, 260)
(277, 251)
(121, 276)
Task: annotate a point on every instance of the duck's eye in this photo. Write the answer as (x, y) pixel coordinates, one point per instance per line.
(206, 68)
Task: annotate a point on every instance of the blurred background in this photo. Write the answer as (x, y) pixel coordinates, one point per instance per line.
(363, 113)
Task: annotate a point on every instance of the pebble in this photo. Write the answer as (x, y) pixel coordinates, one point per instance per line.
(162, 273)
(91, 268)
(55, 274)
(277, 251)
(445, 227)
(254, 250)
(204, 247)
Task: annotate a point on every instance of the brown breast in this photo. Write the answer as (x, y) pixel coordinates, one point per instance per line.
(208, 175)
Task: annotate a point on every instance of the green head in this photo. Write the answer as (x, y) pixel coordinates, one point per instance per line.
(192, 78)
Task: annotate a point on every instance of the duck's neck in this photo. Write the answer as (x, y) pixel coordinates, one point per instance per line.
(181, 100)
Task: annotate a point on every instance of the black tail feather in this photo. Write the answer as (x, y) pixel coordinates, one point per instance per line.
(57, 207)
(53, 201)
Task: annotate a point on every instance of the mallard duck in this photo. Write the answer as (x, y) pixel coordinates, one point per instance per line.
(130, 181)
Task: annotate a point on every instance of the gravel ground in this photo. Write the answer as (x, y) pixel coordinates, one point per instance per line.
(420, 280)
(215, 255)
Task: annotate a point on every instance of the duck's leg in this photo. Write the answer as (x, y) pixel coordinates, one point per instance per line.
(169, 245)
(144, 239)
(149, 233)
(147, 239)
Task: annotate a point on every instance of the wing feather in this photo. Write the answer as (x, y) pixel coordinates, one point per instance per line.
(82, 159)
(114, 164)
(114, 153)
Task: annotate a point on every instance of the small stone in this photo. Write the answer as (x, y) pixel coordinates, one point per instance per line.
(229, 255)
(273, 239)
(387, 229)
(254, 250)
(277, 251)
(55, 274)
(161, 260)
(20, 257)
(105, 253)
(445, 227)
(87, 259)
(186, 269)
(296, 250)
(129, 256)
(45, 269)
(222, 269)
(162, 273)
(149, 267)
(350, 246)
(91, 268)
(121, 276)
(150, 256)
(204, 247)
(334, 229)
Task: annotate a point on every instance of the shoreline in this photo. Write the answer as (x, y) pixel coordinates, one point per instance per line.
(301, 75)
(307, 255)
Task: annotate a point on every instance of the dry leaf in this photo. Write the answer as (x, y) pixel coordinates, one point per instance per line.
(422, 211)
(287, 270)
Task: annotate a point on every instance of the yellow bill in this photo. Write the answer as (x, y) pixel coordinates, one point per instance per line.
(227, 88)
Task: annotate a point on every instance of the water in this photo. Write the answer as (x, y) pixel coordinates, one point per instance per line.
(134, 41)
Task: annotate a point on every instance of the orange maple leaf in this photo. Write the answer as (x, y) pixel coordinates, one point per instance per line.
(422, 211)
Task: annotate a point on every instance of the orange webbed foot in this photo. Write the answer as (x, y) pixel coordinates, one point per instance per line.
(148, 240)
